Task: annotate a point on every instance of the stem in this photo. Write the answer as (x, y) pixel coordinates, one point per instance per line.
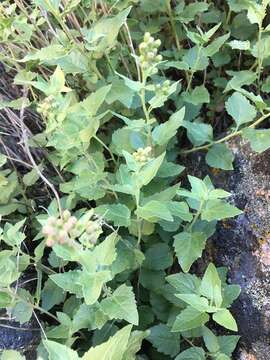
(197, 215)
(228, 137)
(169, 8)
(145, 110)
(195, 66)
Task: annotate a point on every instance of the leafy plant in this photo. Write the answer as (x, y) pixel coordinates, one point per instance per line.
(95, 208)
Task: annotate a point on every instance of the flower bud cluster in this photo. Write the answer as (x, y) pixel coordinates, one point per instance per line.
(142, 155)
(149, 52)
(164, 88)
(59, 230)
(66, 229)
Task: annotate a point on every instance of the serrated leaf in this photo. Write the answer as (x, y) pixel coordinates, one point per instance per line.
(113, 349)
(194, 353)
(22, 312)
(164, 340)
(164, 132)
(220, 157)
(149, 171)
(119, 214)
(199, 95)
(211, 285)
(154, 210)
(240, 109)
(210, 340)
(259, 139)
(121, 305)
(224, 318)
(158, 257)
(188, 248)
(198, 133)
(189, 319)
(218, 210)
(58, 351)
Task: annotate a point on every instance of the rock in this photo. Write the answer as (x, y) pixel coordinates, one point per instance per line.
(243, 244)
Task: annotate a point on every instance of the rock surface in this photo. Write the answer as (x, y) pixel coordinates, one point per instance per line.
(243, 244)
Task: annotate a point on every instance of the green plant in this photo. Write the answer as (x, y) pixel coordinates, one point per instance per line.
(115, 236)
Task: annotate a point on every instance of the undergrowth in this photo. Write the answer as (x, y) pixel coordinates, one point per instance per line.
(91, 199)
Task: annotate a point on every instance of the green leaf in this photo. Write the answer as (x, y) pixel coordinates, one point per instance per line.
(199, 95)
(22, 312)
(188, 248)
(12, 355)
(224, 318)
(164, 340)
(106, 30)
(228, 343)
(194, 353)
(119, 214)
(259, 139)
(92, 284)
(239, 45)
(51, 295)
(220, 157)
(218, 210)
(240, 109)
(184, 283)
(105, 252)
(68, 281)
(196, 60)
(154, 210)
(189, 319)
(49, 5)
(58, 351)
(134, 344)
(215, 45)
(198, 133)
(164, 132)
(121, 305)
(94, 101)
(113, 349)
(149, 171)
(240, 78)
(211, 285)
(197, 302)
(158, 257)
(210, 340)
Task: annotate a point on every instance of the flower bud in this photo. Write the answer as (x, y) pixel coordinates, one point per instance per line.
(48, 230)
(142, 46)
(66, 214)
(147, 36)
(157, 43)
(159, 58)
(51, 220)
(50, 242)
(150, 55)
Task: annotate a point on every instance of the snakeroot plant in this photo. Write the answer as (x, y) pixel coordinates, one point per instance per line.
(95, 201)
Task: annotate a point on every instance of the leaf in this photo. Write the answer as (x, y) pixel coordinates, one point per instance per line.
(154, 210)
(12, 355)
(158, 257)
(58, 351)
(164, 340)
(239, 45)
(184, 283)
(195, 60)
(113, 349)
(218, 210)
(220, 157)
(121, 305)
(240, 78)
(199, 95)
(93, 102)
(188, 248)
(119, 214)
(194, 353)
(259, 139)
(49, 5)
(22, 312)
(228, 343)
(134, 344)
(68, 281)
(149, 171)
(198, 133)
(224, 318)
(216, 44)
(210, 340)
(106, 30)
(31, 177)
(240, 109)
(197, 302)
(211, 285)
(92, 284)
(105, 252)
(189, 319)
(51, 295)
(164, 132)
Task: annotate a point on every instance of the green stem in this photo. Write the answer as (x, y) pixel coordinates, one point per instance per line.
(172, 22)
(197, 215)
(228, 137)
(195, 66)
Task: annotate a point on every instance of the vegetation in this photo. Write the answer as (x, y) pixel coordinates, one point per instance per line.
(93, 205)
